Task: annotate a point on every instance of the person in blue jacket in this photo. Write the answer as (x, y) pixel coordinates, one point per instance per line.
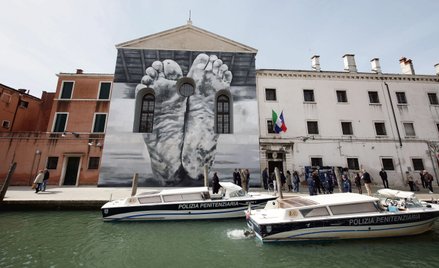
(347, 185)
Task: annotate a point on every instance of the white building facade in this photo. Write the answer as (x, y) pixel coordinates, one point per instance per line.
(350, 119)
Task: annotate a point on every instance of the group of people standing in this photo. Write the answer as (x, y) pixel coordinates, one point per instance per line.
(41, 180)
(426, 180)
(289, 183)
(242, 178)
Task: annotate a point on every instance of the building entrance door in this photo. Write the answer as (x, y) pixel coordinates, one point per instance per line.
(274, 164)
(72, 169)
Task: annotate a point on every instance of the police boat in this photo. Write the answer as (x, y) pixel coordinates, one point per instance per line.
(390, 213)
(192, 203)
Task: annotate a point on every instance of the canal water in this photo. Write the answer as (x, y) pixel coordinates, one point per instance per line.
(82, 239)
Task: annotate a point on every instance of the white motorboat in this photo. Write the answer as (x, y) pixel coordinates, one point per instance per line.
(343, 216)
(185, 204)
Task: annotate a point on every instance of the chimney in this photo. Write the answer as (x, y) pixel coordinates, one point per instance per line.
(436, 67)
(79, 71)
(406, 66)
(349, 63)
(315, 63)
(376, 65)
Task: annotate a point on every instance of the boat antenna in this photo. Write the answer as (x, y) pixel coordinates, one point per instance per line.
(205, 176)
(278, 182)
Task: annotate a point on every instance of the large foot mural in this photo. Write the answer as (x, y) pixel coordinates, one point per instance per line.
(183, 137)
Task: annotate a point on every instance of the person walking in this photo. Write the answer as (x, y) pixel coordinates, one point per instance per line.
(45, 180)
(428, 181)
(265, 178)
(296, 181)
(317, 182)
(367, 182)
(383, 175)
(39, 180)
(409, 180)
(347, 185)
(215, 183)
(358, 183)
(289, 182)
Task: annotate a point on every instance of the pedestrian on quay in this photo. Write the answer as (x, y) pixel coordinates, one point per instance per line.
(45, 180)
(409, 180)
(215, 183)
(265, 178)
(317, 182)
(296, 181)
(421, 174)
(310, 181)
(367, 182)
(283, 180)
(428, 181)
(247, 177)
(383, 175)
(347, 185)
(39, 180)
(237, 177)
(289, 182)
(358, 183)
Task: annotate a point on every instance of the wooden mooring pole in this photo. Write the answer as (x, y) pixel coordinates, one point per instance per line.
(134, 185)
(7, 180)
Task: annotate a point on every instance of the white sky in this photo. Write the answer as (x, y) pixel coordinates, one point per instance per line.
(39, 39)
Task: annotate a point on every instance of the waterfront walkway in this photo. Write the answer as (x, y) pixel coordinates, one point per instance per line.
(92, 197)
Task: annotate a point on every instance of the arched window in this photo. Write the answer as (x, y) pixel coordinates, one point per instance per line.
(222, 114)
(147, 114)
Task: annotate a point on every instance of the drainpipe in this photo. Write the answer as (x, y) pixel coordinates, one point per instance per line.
(394, 116)
(16, 110)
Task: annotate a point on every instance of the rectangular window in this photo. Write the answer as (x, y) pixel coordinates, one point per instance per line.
(342, 96)
(373, 97)
(380, 129)
(52, 162)
(354, 208)
(316, 162)
(5, 97)
(104, 91)
(346, 128)
(308, 95)
(388, 163)
(93, 162)
(409, 130)
(313, 127)
(99, 123)
(400, 97)
(270, 94)
(66, 90)
(60, 122)
(432, 97)
(23, 104)
(270, 126)
(353, 164)
(6, 124)
(418, 164)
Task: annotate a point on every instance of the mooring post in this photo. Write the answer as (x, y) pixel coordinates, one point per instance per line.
(205, 176)
(134, 185)
(7, 180)
(278, 182)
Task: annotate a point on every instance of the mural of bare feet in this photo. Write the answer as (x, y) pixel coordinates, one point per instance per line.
(165, 142)
(183, 137)
(210, 75)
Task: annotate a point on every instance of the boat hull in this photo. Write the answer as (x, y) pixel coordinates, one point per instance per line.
(221, 209)
(390, 225)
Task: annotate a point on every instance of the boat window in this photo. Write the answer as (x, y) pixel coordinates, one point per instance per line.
(314, 212)
(192, 196)
(172, 198)
(354, 208)
(149, 199)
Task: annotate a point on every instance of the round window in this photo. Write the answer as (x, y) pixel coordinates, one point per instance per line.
(186, 90)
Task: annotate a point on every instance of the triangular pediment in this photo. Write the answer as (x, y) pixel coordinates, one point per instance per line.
(187, 38)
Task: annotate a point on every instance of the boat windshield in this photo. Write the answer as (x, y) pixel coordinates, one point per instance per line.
(238, 193)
